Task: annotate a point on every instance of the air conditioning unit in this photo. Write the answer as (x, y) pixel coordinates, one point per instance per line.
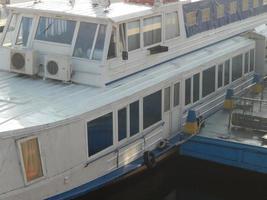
(23, 61)
(58, 67)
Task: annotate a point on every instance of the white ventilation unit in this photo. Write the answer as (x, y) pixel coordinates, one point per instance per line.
(23, 61)
(58, 67)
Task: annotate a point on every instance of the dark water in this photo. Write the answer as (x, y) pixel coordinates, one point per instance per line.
(182, 178)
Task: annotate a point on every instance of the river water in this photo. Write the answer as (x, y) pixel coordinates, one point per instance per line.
(183, 178)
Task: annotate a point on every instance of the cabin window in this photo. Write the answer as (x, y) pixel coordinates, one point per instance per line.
(151, 109)
(208, 81)
(85, 40)
(233, 7)
(134, 118)
(255, 3)
(55, 30)
(100, 41)
(246, 62)
(10, 31)
(196, 79)
(176, 94)
(244, 5)
(167, 99)
(226, 72)
(220, 76)
(237, 63)
(205, 14)
(252, 60)
(171, 25)
(220, 11)
(122, 34)
(187, 91)
(133, 34)
(31, 158)
(24, 31)
(100, 133)
(191, 18)
(152, 30)
(112, 51)
(122, 124)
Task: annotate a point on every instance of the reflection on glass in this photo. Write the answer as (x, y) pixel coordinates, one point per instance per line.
(10, 32)
(100, 41)
(24, 31)
(55, 30)
(85, 40)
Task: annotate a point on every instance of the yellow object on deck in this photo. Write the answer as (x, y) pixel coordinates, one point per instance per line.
(228, 104)
(191, 128)
(257, 88)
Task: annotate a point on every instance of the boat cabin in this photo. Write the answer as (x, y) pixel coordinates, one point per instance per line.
(96, 43)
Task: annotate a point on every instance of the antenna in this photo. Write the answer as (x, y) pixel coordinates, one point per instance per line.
(72, 3)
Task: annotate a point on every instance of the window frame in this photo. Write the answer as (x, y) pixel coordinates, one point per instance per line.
(141, 43)
(19, 142)
(5, 31)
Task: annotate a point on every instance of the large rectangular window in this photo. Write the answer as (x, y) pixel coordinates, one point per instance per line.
(100, 133)
(133, 33)
(237, 64)
(24, 31)
(187, 91)
(152, 109)
(252, 60)
(220, 76)
(31, 159)
(100, 41)
(196, 87)
(205, 14)
(176, 94)
(226, 72)
(208, 81)
(167, 99)
(122, 124)
(171, 25)
(152, 30)
(134, 118)
(55, 30)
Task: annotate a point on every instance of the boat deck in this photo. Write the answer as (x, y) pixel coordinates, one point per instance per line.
(224, 143)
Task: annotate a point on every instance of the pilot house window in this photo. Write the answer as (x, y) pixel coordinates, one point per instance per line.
(208, 81)
(24, 31)
(152, 30)
(237, 64)
(31, 159)
(55, 30)
(10, 31)
(133, 33)
(171, 25)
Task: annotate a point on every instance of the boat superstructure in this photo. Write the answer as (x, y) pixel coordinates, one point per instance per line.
(87, 88)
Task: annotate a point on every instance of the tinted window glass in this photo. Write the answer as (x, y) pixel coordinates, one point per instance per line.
(226, 72)
(85, 39)
(237, 67)
(252, 60)
(100, 133)
(176, 94)
(196, 87)
(246, 62)
(152, 30)
(152, 109)
(208, 81)
(55, 30)
(100, 41)
(188, 91)
(171, 25)
(167, 99)
(112, 45)
(122, 124)
(24, 31)
(220, 75)
(134, 118)
(133, 33)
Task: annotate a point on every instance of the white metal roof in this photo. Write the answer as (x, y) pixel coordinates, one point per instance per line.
(118, 11)
(26, 103)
